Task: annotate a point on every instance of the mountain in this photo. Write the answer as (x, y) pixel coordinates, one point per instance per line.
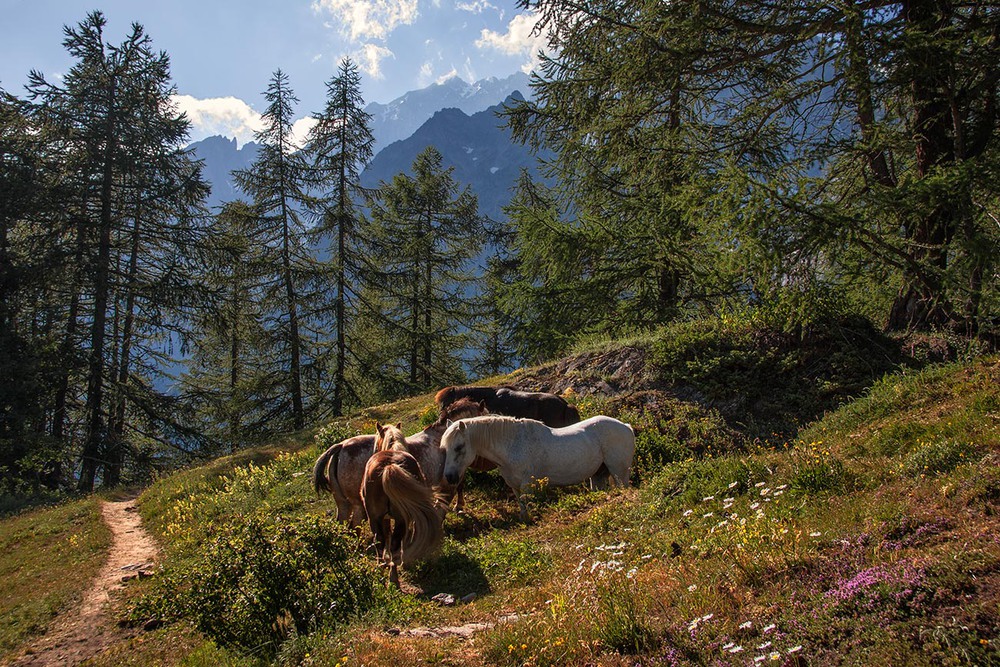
(480, 149)
(221, 156)
(401, 117)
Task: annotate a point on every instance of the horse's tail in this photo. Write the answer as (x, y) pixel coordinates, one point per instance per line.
(321, 478)
(418, 508)
(444, 396)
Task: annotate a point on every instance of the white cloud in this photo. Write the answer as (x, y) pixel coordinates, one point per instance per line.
(228, 116)
(369, 58)
(476, 7)
(300, 130)
(520, 39)
(448, 75)
(368, 19)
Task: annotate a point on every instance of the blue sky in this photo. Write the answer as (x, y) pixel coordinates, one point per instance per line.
(223, 52)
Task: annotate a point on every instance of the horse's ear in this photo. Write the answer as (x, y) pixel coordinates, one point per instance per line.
(482, 406)
(378, 427)
(461, 426)
(399, 425)
(448, 422)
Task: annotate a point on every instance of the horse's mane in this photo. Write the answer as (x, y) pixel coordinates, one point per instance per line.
(494, 426)
(447, 395)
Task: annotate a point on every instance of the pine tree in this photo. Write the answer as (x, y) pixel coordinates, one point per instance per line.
(129, 195)
(276, 182)
(425, 231)
(836, 137)
(340, 144)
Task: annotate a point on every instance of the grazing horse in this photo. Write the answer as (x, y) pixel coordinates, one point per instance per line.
(526, 450)
(341, 468)
(548, 408)
(394, 488)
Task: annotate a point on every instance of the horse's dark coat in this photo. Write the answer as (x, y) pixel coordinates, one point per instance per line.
(547, 408)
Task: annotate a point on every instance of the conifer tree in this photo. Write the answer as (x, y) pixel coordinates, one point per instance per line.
(425, 232)
(276, 182)
(340, 145)
(130, 191)
(839, 138)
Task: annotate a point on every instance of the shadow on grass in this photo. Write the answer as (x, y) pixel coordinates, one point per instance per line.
(452, 572)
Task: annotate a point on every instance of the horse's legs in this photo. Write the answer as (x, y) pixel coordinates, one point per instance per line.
(460, 504)
(344, 511)
(600, 478)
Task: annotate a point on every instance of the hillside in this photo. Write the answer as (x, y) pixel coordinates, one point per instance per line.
(867, 536)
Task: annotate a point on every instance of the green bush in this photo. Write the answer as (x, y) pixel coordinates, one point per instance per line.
(824, 475)
(257, 583)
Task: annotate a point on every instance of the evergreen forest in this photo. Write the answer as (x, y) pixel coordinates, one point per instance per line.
(798, 162)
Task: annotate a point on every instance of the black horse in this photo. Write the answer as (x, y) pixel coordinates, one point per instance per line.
(549, 409)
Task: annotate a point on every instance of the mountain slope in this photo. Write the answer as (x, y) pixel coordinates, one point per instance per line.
(478, 147)
(401, 117)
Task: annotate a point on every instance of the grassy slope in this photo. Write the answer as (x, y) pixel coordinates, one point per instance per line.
(49, 557)
(871, 538)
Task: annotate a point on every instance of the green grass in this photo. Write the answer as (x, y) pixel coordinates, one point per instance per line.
(866, 537)
(49, 558)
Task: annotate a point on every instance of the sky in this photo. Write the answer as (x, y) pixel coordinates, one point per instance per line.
(223, 52)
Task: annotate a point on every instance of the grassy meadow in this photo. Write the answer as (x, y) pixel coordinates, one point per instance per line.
(803, 534)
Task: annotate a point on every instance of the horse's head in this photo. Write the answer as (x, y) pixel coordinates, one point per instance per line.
(388, 436)
(459, 451)
(463, 408)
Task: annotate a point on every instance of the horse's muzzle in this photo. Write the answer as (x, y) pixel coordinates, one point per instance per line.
(451, 477)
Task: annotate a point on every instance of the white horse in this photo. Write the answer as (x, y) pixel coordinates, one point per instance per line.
(526, 450)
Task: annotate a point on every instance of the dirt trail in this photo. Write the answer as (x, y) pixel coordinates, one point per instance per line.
(84, 631)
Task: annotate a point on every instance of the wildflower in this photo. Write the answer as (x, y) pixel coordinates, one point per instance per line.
(707, 617)
(775, 656)
(759, 484)
(768, 628)
(707, 514)
(688, 513)
(733, 485)
(794, 649)
(728, 500)
(728, 646)
(815, 533)
(759, 659)
(707, 498)
(754, 506)
(765, 492)
(764, 646)
(631, 573)
(736, 649)
(782, 487)
(746, 626)
(692, 588)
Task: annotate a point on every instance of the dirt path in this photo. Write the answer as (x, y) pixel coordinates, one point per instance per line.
(85, 631)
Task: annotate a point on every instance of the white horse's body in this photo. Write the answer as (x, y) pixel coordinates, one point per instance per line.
(526, 450)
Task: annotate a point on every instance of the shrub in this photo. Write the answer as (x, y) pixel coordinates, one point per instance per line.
(257, 583)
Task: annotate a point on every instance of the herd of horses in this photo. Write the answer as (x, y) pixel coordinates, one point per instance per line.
(403, 486)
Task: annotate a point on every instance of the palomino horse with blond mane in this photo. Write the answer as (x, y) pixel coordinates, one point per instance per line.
(394, 488)
(526, 450)
(340, 469)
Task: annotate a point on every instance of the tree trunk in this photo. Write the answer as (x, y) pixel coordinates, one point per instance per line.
(922, 302)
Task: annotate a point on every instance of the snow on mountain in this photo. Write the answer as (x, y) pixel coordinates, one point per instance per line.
(400, 118)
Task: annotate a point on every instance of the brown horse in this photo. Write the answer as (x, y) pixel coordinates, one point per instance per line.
(394, 488)
(551, 410)
(340, 469)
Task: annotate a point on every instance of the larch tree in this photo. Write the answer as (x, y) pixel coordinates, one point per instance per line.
(425, 231)
(836, 137)
(276, 183)
(340, 144)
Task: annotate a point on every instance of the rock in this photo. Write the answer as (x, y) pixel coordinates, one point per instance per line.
(469, 598)
(444, 599)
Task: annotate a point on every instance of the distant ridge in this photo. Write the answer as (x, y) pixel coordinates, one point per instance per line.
(479, 148)
(401, 117)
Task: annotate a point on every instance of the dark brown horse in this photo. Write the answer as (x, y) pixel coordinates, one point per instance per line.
(394, 488)
(551, 410)
(340, 469)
